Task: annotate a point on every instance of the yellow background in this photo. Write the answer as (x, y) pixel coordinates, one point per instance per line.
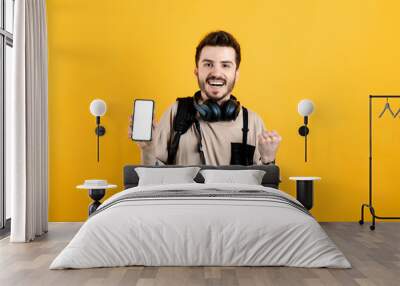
(335, 53)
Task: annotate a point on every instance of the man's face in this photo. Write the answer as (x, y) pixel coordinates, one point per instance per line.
(216, 72)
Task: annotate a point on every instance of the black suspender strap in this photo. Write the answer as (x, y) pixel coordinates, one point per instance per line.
(199, 144)
(183, 120)
(173, 148)
(245, 130)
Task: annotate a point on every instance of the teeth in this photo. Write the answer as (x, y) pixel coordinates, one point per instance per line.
(216, 83)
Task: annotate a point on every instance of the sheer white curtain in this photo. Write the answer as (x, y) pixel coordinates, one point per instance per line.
(26, 124)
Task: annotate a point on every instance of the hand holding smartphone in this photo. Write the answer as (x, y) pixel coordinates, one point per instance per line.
(143, 112)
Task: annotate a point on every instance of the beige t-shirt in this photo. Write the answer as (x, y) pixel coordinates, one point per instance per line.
(216, 140)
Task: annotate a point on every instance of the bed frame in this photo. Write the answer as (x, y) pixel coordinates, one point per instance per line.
(270, 179)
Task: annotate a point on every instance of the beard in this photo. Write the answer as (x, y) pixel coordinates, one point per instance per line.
(228, 84)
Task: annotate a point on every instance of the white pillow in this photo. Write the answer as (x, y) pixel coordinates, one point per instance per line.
(164, 176)
(249, 177)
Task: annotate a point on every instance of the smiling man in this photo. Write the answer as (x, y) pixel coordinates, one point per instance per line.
(211, 127)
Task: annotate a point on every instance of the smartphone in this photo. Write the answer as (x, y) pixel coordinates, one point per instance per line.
(143, 110)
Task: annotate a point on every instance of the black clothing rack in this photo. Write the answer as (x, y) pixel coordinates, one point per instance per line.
(370, 204)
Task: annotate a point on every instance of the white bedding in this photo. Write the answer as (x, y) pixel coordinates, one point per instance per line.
(182, 231)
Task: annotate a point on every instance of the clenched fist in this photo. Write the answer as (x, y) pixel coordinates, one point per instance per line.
(268, 142)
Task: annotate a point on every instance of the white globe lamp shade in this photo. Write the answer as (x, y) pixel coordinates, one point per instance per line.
(305, 107)
(98, 107)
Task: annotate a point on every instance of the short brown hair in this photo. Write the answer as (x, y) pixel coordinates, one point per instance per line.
(222, 39)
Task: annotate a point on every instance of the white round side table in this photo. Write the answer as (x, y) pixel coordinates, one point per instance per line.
(97, 190)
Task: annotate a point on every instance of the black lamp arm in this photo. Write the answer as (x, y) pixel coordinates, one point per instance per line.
(305, 120)
(100, 131)
(303, 131)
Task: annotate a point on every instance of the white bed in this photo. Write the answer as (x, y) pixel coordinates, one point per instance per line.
(224, 225)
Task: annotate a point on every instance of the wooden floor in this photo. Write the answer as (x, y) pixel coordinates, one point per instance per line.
(374, 255)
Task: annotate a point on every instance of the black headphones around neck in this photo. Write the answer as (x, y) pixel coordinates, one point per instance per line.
(211, 111)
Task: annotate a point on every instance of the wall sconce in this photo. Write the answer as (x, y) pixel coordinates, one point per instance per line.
(98, 108)
(305, 108)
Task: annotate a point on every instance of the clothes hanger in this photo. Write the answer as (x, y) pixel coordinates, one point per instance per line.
(398, 112)
(387, 107)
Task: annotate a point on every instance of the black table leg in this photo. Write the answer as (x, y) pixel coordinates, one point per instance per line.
(96, 195)
(304, 193)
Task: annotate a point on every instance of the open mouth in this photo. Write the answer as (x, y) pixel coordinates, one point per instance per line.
(216, 82)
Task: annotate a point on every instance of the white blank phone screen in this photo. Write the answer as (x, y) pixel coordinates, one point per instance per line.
(142, 120)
